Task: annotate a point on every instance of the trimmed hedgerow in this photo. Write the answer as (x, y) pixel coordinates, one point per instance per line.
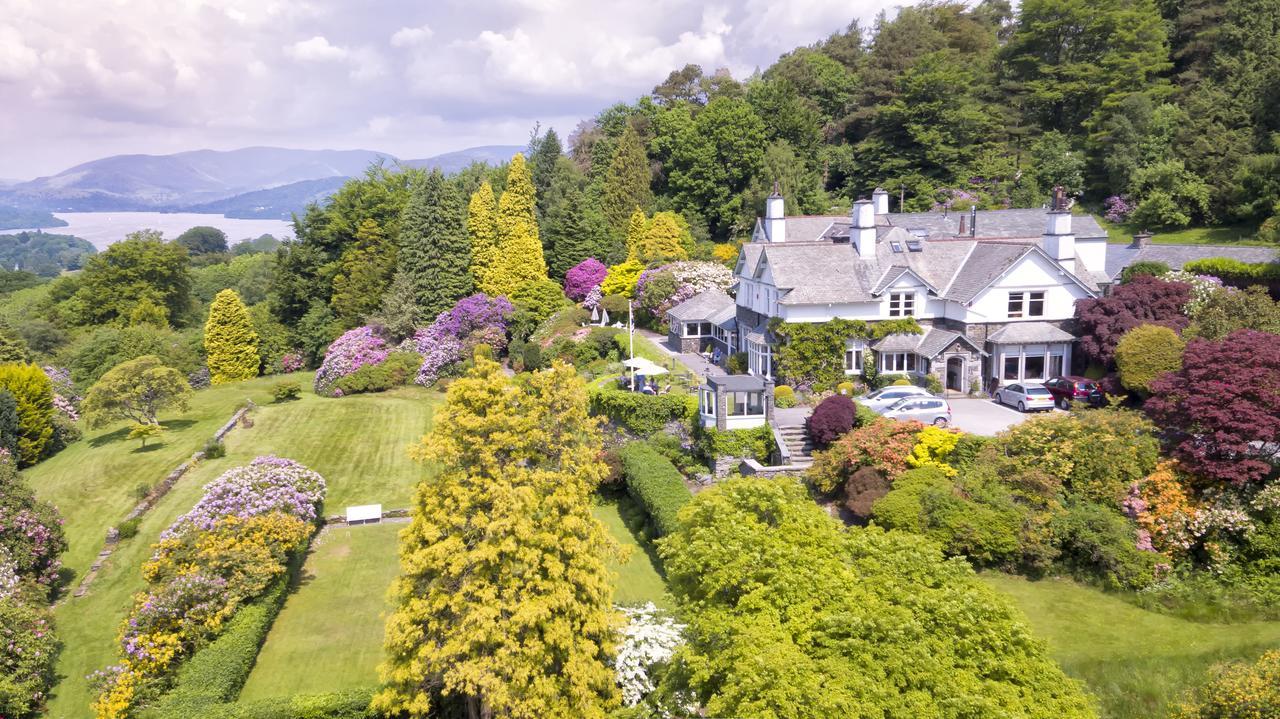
(756, 442)
(654, 482)
(353, 704)
(643, 414)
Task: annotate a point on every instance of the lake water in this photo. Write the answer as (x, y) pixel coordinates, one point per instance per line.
(103, 228)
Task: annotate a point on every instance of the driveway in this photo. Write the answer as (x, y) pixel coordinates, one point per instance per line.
(983, 416)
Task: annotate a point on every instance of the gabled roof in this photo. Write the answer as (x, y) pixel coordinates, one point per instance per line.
(984, 265)
(992, 224)
(703, 307)
(936, 340)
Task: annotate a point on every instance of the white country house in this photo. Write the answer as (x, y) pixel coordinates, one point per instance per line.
(995, 291)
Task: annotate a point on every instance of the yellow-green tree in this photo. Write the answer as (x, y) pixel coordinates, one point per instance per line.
(230, 342)
(665, 238)
(482, 230)
(622, 278)
(503, 604)
(520, 259)
(364, 273)
(33, 392)
(636, 228)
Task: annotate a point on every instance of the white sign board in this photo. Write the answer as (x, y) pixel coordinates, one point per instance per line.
(364, 514)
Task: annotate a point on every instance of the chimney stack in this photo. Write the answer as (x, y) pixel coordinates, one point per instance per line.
(862, 234)
(963, 227)
(1140, 240)
(775, 216)
(880, 200)
(1059, 240)
(973, 221)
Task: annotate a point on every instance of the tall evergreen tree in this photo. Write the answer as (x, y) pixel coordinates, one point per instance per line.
(364, 271)
(482, 230)
(434, 250)
(574, 232)
(400, 312)
(520, 258)
(637, 226)
(626, 184)
(545, 152)
(516, 469)
(230, 342)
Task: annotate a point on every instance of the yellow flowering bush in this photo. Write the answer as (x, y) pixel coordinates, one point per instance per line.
(933, 446)
(1238, 691)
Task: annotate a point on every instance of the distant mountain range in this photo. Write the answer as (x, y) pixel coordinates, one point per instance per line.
(252, 182)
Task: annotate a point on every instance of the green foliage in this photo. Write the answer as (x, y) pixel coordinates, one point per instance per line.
(1237, 691)
(784, 396)
(215, 673)
(756, 442)
(12, 347)
(621, 280)
(575, 230)
(641, 413)
(203, 240)
(128, 529)
(626, 182)
(482, 231)
(654, 482)
(43, 254)
(28, 659)
(737, 363)
(144, 431)
(285, 391)
(811, 356)
(882, 445)
(540, 298)
(362, 273)
(341, 705)
(33, 394)
(435, 252)
(712, 162)
(901, 382)
(793, 615)
(1171, 196)
(1146, 352)
(1225, 312)
(1097, 543)
(398, 369)
(1151, 268)
(1230, 270)
(214, 449)
(91, 355)
(136, 390)
(10, 423)
(230, 342)
(142, 266)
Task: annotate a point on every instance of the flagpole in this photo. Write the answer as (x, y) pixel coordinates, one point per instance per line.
(631, 338)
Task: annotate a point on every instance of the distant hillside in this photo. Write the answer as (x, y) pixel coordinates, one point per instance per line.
(451, 162)
(157, 182)
(277, 203)
(43, 253)
(12, 218)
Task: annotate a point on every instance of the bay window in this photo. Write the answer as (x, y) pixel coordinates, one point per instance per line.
(897, 362)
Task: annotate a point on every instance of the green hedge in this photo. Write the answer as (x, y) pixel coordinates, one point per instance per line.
(654, 482)
(216, 673)
(344, 705)
(756, 442)
(1227, 269)
(641, 413)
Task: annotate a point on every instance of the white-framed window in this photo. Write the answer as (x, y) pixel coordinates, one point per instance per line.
(1026, 304)
(853, 351)
(902, 304)
(1032, 363)
(708, 403)
(897, 362)
(760, 359)
(697, 329)
(742, 404)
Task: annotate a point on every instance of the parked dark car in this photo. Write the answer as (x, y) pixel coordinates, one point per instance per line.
(1072, 388)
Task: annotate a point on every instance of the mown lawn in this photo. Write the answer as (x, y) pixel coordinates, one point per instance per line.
(329, 635)
(1223, 235)
(638, 579)
(1134, 661)
(357, 443)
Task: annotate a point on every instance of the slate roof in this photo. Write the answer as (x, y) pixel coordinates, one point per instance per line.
(703, 306)
(936, 340)
(1029, 333)
(992, 224)
(736, 382)
(1175, 256)
(897, 343)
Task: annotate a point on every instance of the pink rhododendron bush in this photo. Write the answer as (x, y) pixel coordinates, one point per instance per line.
(229, 549)
(473, 321)
(584, 277)
(356, 348)
(661, 288)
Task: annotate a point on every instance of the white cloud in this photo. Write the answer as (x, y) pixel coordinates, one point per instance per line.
(17, 61)
(410, 36)
(317, 49)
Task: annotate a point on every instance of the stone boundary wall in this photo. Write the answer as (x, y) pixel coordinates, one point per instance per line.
(155, 495)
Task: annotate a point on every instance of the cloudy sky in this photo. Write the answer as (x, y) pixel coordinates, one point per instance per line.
(81, 79)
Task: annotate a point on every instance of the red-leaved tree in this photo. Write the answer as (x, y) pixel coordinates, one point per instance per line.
(832, 417)
(1223, 407)
(1144, 300)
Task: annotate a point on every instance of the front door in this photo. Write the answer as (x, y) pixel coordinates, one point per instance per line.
(955, 374)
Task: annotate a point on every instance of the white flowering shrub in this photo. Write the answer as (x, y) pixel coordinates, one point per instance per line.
(8, 574)
(648, 641)
(1202, 287)
(702, 276)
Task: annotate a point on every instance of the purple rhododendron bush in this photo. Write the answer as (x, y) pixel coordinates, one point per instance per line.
(584, 277)
(226, 551)
(354, 349)
(473, 321)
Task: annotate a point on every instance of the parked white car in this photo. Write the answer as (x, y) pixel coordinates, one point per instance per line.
(1030, 397)
(927, 409)
(885, 396)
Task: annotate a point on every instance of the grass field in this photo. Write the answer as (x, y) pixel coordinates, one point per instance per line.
(1224, 235)
(333, 624)
(638, 578)
(357, 443)
(1133, 660)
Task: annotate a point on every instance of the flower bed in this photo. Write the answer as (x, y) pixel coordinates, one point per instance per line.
(473, 321)
(226, 551)
(354, 349)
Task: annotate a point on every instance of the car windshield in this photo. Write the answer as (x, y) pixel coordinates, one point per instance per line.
(1037, 391)
(1086, 386)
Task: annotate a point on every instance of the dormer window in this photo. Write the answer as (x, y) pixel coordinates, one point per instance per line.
(902, 304)
(896, 246)
(915, 246)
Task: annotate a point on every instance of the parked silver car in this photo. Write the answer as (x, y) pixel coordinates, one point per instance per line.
(927, 409)
(886, 396)
(1026, 397)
